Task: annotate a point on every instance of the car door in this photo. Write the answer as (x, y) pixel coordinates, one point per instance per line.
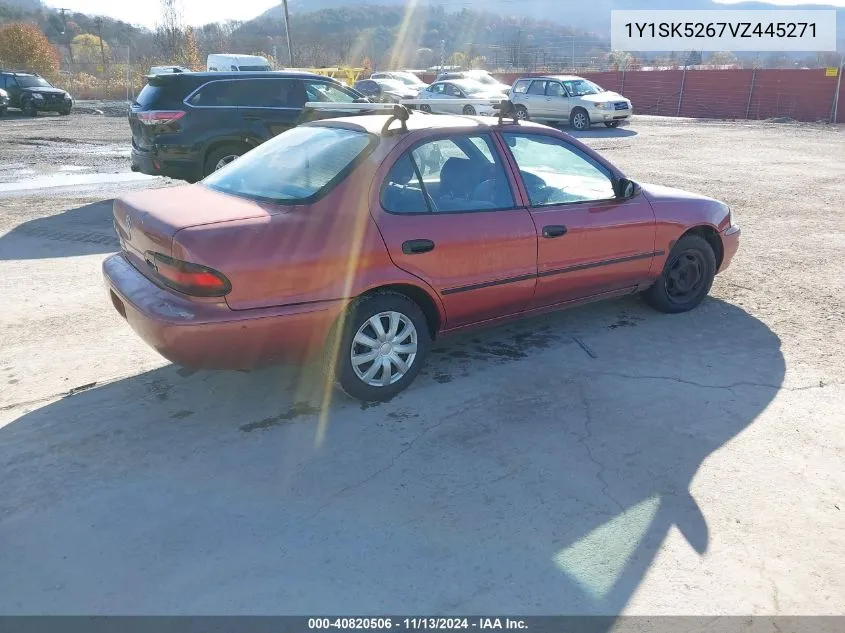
(452, 92)
(557, 101)
(448, 213)
(14, 91)
(535, 99)
(590, 242)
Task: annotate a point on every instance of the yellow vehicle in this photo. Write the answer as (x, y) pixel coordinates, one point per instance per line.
(345, 74)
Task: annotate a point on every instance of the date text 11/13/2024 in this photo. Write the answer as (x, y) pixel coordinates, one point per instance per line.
(417, 624)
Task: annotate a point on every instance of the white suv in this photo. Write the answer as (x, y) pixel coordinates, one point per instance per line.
(568, 98)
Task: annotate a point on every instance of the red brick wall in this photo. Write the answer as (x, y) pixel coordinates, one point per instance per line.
(804, 95)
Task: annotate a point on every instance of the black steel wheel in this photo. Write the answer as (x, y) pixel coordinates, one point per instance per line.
(686, 278)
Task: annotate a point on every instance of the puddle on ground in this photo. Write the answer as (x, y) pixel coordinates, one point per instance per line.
(71, 180)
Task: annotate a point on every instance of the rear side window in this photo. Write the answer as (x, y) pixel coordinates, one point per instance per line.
(537, 88)
(217, 94)
(521, 86)
(297, 166)
(164, 95)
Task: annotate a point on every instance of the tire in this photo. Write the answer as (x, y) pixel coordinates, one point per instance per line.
(469, 110)
(425, 108)
(65, 112)
(353, 377)
(579, 119)
(29, 109)
(686, 278)
(521, 113)
(612, 123)
(222, 156)
(3, 112)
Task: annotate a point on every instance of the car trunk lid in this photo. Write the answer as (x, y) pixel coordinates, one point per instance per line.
(147, 221)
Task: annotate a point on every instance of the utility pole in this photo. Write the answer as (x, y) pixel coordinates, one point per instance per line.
(99, 22)
(67, 35)
(287, 31)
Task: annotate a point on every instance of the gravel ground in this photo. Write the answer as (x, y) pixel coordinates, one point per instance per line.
(687, 464)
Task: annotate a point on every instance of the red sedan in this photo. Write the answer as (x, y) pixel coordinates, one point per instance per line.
(364, 238)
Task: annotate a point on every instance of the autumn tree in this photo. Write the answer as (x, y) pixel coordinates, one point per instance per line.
(191, 58)
(86, 49)
(24, 46)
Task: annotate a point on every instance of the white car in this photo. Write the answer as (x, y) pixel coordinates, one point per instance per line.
(481, 76)
(442, 92)
(405, 76)
(569, 98)
(228, 62)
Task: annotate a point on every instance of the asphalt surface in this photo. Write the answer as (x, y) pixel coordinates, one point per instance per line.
(608, 459)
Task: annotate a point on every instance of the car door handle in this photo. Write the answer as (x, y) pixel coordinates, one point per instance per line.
(554, 230)
(412, 247)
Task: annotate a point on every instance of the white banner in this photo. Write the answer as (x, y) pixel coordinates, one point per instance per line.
(806, 30)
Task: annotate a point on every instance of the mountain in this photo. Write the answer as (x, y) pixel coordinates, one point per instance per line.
(593, 16)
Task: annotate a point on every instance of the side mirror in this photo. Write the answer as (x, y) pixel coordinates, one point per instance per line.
(625, 188)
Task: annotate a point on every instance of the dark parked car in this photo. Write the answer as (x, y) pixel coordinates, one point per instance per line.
(188, 125)
(385, 90)
(4, 102)
(33, 94)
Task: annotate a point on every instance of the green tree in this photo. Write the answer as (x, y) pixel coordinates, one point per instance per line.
(86, 49)
(24, 46)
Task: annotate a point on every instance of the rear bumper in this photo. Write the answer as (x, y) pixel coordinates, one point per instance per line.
(159, 164)
(730, 245)
(209, 335)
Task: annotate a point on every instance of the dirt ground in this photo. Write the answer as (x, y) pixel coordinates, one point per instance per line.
(607, 459)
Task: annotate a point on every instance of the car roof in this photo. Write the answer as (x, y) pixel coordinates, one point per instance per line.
(19, 72)
(556, 77)
(417, 122)
(265, 74)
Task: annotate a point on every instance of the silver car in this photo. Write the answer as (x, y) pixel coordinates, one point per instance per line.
(442, 92)
(569, 98)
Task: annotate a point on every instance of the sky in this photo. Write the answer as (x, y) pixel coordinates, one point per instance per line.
(197, 12)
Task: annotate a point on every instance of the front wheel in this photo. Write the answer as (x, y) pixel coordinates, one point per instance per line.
(3, 112)
(425, 108)
(469, 110)
(381, 349)
(579, 119)
(65, 112)
(29, 109)
(612, 123)
(686, 278)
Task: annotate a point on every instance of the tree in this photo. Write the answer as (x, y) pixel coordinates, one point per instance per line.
(723, 58)
(191, 57)
(86, 49)
(24, 46)
(619, 60)
(170, 33)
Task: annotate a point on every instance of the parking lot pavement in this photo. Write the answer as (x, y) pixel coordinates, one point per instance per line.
(602, 460)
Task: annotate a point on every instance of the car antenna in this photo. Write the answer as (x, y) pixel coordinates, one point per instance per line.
(401, 114)
(506, 109)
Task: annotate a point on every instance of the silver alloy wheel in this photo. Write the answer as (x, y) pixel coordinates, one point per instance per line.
(384, 349)
(225, 161)
(580, 121)
(522, 114)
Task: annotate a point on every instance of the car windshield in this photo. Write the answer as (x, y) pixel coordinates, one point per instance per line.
(294, 166)
(484, 78)
(473, 87)
(32, 82)
(324, 91)
(581, 87)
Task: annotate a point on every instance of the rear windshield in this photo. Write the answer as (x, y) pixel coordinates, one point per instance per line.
(296, 166)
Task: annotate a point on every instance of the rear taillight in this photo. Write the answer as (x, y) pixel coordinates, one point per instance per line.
(187, 278)
(160, 117)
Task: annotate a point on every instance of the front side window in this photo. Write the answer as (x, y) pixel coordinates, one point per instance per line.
(453, 91)
(436, 88)
(296, 166)
(555, 90)
(556, 173)
(448, 175)
(324, 91)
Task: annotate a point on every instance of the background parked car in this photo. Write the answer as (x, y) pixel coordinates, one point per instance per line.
(569, 98)
(481, 76)
(385, 90)
(226, 62)
(187, 125)
(33, 94)
(4, 102)
(459, 89)
(405, 76)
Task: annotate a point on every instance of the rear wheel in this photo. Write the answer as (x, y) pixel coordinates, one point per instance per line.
(612, 123)
(382, 346)
(221, 157)
(468, 109)
(579, 119)
(425, 108)
(686, 278)
(521, 113)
